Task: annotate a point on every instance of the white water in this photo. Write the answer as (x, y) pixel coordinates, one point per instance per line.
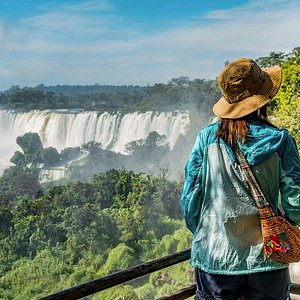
(66, 129)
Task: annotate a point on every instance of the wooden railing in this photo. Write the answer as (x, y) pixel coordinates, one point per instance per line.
(97, 285)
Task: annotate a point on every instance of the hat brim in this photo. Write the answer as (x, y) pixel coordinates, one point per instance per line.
(264, 95)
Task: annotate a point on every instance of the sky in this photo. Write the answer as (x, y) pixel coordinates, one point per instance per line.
(136, 42)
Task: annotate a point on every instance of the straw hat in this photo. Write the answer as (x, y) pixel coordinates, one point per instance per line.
(245, 87)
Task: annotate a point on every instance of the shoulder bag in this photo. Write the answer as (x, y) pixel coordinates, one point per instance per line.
(281, 238)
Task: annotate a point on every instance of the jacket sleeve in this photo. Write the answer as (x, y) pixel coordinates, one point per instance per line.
(190, 201)
(290, 180)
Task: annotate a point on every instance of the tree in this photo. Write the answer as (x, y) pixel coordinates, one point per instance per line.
(286, 104)
(226, 63)
(180, 81)
(274, 58)
(119, 258)
(149, 151)
(287, 101)
(31, 145)
(18, 158)
(69, 154)
(18, 182)
(49, 156)
(6, 218)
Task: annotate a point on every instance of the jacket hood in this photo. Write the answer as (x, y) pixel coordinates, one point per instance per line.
(262, 141)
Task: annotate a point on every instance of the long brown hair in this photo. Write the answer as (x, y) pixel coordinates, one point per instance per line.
(234, 130)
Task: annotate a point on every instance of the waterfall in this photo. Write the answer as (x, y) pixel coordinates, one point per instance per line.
(62, 129)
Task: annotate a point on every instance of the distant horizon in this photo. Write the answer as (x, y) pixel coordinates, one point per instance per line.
(124, 42)
(99, 84)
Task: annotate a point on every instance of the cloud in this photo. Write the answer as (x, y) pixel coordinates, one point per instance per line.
(94, 6)
(90, 42)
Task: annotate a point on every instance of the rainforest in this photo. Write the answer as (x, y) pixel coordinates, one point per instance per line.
(115, 202)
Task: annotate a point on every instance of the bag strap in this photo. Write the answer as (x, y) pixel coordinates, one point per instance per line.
(255, 189)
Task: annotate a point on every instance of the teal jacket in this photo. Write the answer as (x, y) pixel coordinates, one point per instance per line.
(217, 204)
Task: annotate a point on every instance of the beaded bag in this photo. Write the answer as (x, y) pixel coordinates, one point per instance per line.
(281, 238)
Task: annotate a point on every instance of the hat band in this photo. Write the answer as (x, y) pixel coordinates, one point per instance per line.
(249, 92)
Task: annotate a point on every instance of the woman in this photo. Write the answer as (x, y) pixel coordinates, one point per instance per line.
(227, 250)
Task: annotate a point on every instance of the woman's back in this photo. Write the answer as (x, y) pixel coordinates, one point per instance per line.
(219, 209)
(221, 212)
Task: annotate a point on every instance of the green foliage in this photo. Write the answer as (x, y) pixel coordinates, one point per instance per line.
(287, 101)
(85, 269)
(286, 104)
(176, 240)
(18, 182)
(81, 163)
(172, 279)
(30, 143)
(147, 291)
(49, 156)
(71, 234)
(179, 93)
(6, 218)
(274, 58)
(67, 235)
(119, 258)
(150, 151)
(125, 292)
(18, 158)
(30, 279)
(69, 154)
(34, 153)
